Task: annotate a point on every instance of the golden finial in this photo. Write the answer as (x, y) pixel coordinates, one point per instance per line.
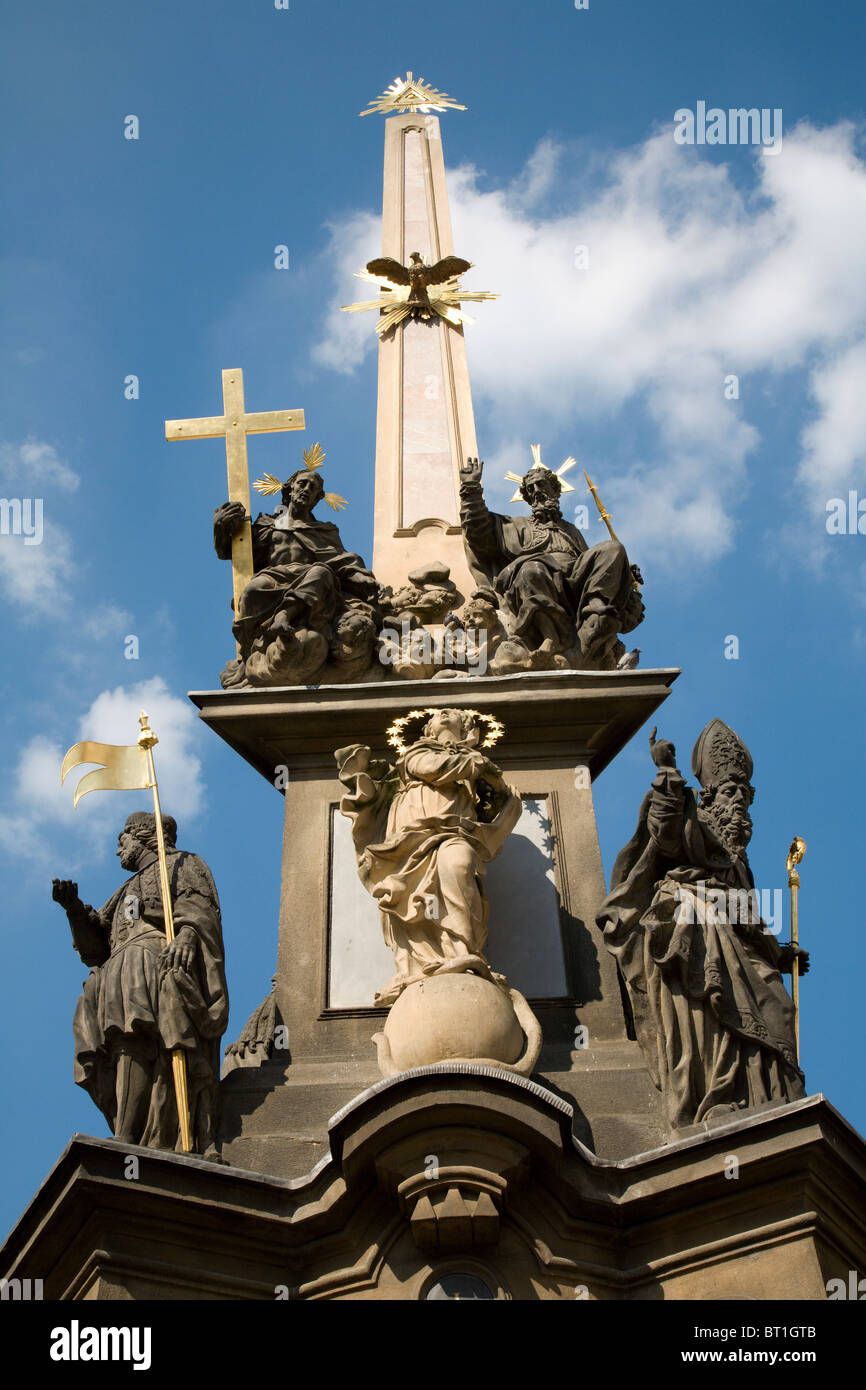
(411, 94)
(795, 853)
(147, 738)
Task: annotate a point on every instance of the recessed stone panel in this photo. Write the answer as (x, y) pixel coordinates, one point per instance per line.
(524, 941)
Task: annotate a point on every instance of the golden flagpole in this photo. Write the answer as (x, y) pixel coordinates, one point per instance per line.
(146, 740)
(795, 857)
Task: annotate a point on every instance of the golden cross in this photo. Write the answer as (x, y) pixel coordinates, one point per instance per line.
(235, 424)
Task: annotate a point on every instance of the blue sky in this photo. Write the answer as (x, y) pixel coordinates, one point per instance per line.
(155, 258)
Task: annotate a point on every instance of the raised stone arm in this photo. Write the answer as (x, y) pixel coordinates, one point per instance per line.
(667, 805)
(470, 471)
(663, 754)
(89, 935)
(476, 521)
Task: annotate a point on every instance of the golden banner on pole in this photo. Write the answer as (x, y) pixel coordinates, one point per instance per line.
(124, 768)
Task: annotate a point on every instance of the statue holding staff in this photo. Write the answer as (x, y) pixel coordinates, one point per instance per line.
(152, 1011)
(702, 970)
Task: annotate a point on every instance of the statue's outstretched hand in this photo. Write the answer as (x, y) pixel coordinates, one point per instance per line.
(227, 521)
(356, 755)
(470, 471)
(663, 754)
(65, 892)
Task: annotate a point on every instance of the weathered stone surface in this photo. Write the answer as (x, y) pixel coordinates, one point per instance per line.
(458, 1016)
(511, 1199)
(311, 611)
(424, 831)
(561, 731)
(561, 603)
(435, 572)
(146, 1003)
(702, 969)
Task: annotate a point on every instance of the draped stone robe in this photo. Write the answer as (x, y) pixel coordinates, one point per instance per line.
(131, 1001)
(711, 1011)
(304, 562)
(543, 567)
(425, 865)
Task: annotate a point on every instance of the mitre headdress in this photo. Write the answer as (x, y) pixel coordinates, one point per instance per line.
(720, 753)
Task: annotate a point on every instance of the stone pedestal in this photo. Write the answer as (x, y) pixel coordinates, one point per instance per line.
(459, 1017)
(562, 729)
(462, 1171)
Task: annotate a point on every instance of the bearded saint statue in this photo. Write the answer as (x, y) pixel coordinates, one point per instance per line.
(562, 602)
(145, 998)
(702, 971)
(424, 832)
(311, 610)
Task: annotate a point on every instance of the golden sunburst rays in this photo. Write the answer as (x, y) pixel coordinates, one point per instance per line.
(445, 301)
(268, 485)
(394, 732)
(411, 94)
(537, 463)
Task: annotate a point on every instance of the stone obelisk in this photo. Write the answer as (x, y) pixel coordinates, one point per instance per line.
(425, 423)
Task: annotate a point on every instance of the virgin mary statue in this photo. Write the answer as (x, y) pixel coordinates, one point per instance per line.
(424, 832)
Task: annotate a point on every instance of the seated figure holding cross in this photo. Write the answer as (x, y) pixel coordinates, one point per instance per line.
(310, 612)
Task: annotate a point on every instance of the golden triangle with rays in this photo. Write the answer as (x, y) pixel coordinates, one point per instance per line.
(411, 94)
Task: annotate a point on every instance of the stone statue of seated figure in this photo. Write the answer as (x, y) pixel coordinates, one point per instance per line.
(291, 625)
(562, 602)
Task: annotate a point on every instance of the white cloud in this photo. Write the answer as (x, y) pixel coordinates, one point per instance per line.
(113, 718)
(690, 279)
(36, 579)
(36, 464)
(834, 443)
(349, 250)
(36, 571)
(107, 620)
(41, 823)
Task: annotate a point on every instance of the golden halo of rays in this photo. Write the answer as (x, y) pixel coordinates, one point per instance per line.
(394, 732)
(268, 485)
(411, 94)
(536, 463)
